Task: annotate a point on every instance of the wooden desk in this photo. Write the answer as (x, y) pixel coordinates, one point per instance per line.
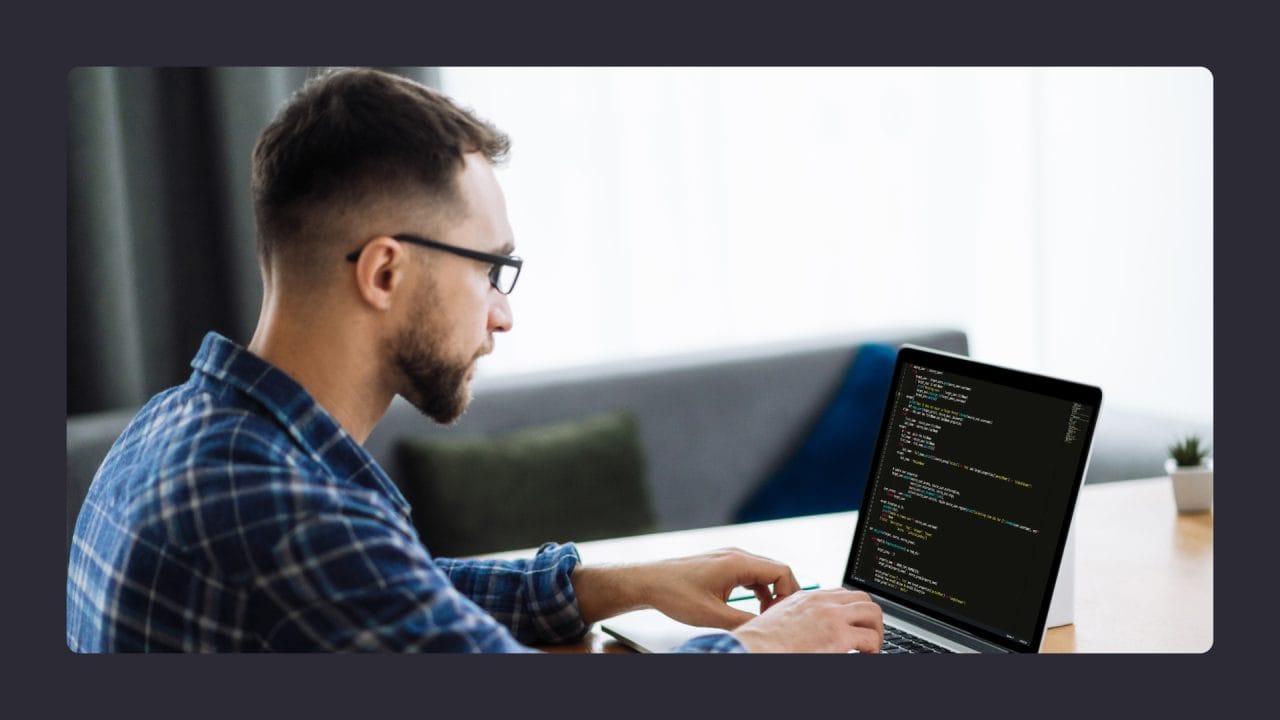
(1144, 573)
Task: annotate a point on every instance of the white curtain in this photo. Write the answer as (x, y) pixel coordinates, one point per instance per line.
(1062, 217)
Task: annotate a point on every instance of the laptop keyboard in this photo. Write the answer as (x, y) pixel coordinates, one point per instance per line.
(897, 642)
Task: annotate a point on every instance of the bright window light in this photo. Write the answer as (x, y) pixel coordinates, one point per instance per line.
(1061, 217)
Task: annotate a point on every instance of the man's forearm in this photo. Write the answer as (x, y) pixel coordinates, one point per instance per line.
(607, 590)
(693, 590)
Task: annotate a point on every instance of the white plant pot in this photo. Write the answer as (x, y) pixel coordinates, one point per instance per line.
(1192, 486)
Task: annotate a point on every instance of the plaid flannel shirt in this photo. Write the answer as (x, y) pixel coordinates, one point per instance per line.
(235, 514)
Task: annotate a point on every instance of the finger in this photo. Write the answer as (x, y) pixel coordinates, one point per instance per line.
(787, 584)
(866, 615)
(755, 570)
(766, 597)
(865, 609)
(865, 640)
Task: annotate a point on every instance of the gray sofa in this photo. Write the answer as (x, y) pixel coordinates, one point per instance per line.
(713, 425)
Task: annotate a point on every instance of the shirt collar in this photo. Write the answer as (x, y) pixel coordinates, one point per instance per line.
(309, 424)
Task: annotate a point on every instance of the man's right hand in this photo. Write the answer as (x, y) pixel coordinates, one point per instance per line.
(834, 620)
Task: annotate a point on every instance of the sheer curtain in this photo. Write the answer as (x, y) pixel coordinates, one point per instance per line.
(1062, 217)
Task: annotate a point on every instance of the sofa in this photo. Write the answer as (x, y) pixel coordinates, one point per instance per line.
(712, 425)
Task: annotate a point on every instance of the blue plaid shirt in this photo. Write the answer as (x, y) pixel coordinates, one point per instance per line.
(235, 514)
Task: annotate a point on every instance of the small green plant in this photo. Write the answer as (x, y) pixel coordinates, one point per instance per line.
(1187, 452)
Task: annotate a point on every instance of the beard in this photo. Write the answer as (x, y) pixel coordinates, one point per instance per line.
(435, 385)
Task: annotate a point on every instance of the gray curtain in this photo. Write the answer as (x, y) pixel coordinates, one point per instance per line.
(160, 237)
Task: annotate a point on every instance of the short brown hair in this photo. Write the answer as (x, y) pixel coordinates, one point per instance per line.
(349, 135)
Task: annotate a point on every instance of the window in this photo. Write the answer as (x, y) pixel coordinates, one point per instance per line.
(1062, 217)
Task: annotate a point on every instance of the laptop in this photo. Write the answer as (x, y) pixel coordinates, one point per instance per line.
(964, 519)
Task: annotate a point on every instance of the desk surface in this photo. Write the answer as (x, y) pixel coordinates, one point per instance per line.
(1144, 572)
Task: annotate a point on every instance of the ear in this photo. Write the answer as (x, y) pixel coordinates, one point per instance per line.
(380, 271)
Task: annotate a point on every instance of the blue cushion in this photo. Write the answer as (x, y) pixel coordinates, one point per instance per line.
(828, 472)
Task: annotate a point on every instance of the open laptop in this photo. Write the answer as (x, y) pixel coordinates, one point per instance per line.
(972, 486)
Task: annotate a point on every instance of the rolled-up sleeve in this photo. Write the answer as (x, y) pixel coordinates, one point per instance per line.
(532, 597)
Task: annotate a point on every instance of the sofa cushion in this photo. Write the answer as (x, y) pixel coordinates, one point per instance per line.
(576, 480)
(713, 423)
(828, 471)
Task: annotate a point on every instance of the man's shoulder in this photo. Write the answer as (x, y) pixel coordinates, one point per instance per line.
(188, 456)
(185, 430)
(220, 478)
(215, 478)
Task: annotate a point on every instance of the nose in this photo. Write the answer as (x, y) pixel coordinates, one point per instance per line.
(500, 319)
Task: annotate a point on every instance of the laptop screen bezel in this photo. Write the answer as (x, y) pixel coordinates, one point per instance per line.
(1087, 395)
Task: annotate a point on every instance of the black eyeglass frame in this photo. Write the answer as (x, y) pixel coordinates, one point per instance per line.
(497, 260)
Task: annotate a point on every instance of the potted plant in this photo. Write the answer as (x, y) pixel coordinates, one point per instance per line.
(1192, 474)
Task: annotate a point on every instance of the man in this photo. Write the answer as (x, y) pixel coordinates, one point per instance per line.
(239, 512)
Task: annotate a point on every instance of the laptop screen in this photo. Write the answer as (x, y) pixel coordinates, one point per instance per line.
(972, 486)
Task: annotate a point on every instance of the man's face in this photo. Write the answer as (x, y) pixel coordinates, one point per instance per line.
(454, 310)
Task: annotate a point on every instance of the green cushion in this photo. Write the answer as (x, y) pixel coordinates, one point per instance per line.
(576, 480)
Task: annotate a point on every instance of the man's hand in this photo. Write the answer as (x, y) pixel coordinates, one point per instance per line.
(693, 590)
(834, 620)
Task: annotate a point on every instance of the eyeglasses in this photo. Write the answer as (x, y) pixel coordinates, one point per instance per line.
(502, 275)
